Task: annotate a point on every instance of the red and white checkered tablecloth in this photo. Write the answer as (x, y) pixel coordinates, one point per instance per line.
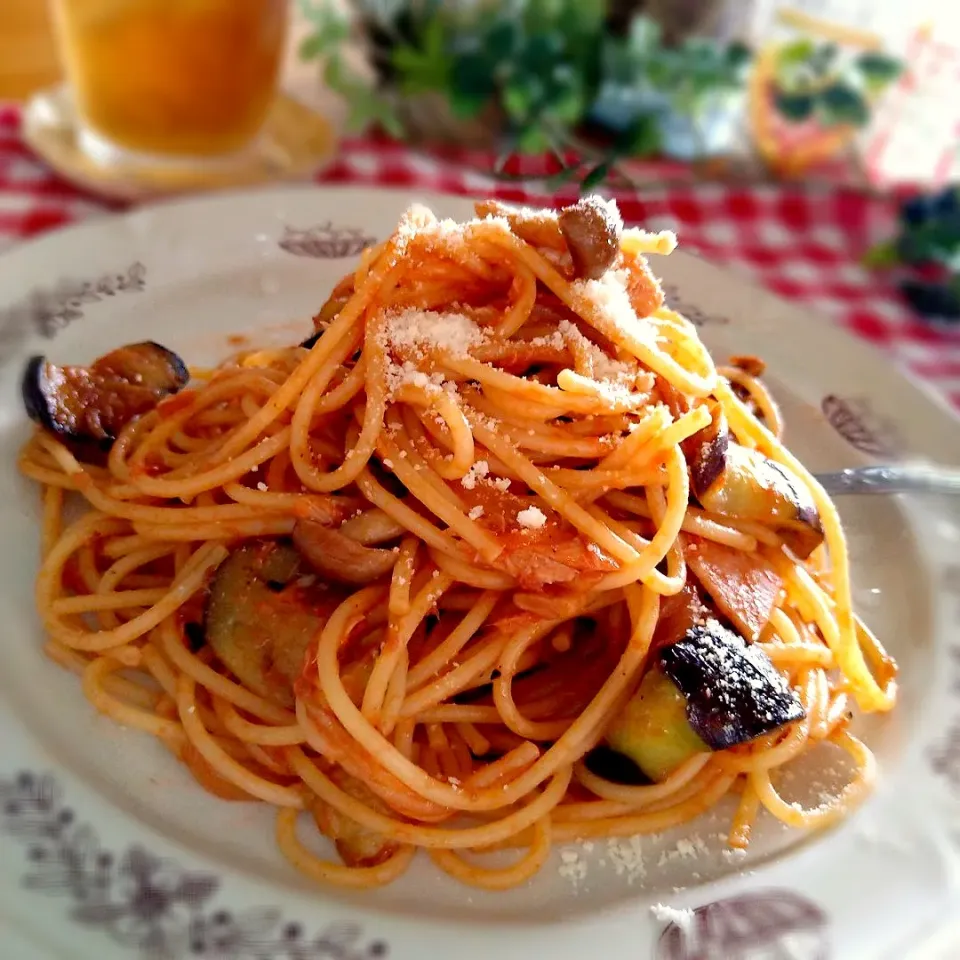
(803, 242)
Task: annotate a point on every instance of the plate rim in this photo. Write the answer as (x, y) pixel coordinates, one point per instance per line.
(925, 391)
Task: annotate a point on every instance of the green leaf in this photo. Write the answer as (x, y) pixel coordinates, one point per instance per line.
(803, 64)
(938, 241)
(664, 69)
(327, 19)
(522, 96)
(336, 77)
(314, 11)
(795, 53)
(533, 140)
(841, 103)
(391, 123)
(427, 68)
(643, 138)
(331, 29)
(645, 35)
(738, 55)
(701, 52)
(795, 107)
(596, 176)
(566, 101)
(465, 105)
(882, 256)
(503, 38)
(824, 57)
(471, 85)
(312, 47)
(562, 176)
(878, 69)
(540, 52)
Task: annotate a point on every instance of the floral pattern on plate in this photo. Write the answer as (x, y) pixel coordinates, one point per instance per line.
(945, 754)
(325, 241)
(768, 925)
(698, 317)
(147, 903)
(47, 311)
(856, 421)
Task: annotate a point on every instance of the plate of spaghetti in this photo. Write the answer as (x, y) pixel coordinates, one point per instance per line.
(401, 576)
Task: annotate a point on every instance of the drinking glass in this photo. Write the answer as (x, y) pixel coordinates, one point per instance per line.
(175, 80)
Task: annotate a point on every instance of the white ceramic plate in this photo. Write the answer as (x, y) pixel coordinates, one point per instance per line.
(107, 848)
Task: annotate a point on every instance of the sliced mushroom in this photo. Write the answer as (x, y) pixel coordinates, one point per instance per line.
(339, 558)
(93, 404)
(708, 691)
(734, 481)
(592, 228)
(357, 845)
(262, 612)
(536, 227)
(371, 527)
(744, 586)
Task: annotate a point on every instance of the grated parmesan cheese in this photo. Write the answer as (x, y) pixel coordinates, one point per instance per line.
(399, 375)
(686, 849)
(683, 918)
(413, 330)
(475, 512)
(610, 296)
(627, 858)
(532, 518)
(479, 470)
(261, 486)
(572, 866)
(554, 340)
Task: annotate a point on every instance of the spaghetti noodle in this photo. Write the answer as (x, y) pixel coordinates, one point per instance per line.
(486, 462)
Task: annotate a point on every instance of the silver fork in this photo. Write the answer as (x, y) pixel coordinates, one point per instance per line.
(892, 478)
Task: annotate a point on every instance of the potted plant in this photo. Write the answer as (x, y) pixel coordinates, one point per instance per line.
(593, 83)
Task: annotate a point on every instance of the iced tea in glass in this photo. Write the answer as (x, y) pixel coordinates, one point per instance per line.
(172, 78)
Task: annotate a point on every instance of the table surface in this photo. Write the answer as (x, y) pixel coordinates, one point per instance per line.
(804, 242)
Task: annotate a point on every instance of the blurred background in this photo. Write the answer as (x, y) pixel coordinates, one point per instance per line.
(729, 87)
(128, 99)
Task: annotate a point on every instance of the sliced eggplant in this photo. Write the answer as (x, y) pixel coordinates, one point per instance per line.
(337, 557)
(358, 846)
(654, 730)
(262, 612)
(592, 228)
(321, 321)
(93, 404)
(708, 691)
(734, 481)
(706, 451)
(744, 586)
(734, 692)
(614, 766)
